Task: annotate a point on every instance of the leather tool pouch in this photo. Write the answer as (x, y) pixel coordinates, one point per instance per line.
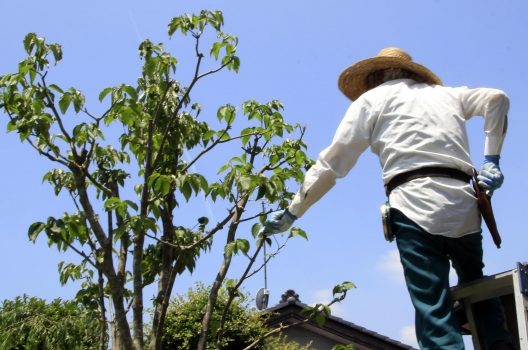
(386, 221)
(484, 203)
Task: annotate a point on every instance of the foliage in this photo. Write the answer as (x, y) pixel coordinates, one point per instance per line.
(344, 347)
(320, 312)
(243, 325)
(130, 227)
(31, 323)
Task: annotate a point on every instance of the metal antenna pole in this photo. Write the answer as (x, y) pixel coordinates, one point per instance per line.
(265, 268)
(263, 294)
(265, 262)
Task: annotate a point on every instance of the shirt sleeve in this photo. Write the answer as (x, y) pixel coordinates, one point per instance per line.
(352, 137)
(493, 105)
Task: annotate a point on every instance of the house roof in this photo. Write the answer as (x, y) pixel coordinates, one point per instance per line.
(340, 331)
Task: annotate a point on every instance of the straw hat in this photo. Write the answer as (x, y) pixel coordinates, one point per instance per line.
(352, 82)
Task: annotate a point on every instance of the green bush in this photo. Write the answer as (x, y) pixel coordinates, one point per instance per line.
(243, 324)
(30, 323)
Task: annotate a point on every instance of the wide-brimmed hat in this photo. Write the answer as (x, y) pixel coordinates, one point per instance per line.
(353, 83)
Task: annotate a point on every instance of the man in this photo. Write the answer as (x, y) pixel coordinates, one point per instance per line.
(416, 126)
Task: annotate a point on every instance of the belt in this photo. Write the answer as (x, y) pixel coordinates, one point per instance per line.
(425, 172)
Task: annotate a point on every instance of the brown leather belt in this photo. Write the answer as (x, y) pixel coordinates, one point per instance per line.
(484, 201)
(433, 171)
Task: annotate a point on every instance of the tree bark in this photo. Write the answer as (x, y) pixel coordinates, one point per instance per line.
(220, 277)
(116, 284)
(166, 278)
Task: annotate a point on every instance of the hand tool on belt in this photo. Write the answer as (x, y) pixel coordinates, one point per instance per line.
(484, 203)
(483, 200)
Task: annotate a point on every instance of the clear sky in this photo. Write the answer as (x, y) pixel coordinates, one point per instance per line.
(292, 51)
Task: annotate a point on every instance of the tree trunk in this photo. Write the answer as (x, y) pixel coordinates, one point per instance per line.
(160, 312)
(213, 295)
(103, 344)
(116, 284)
(137, 303)
(123, 336)
(166, 278)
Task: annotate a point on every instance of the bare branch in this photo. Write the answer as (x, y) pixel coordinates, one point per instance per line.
(268, 258)
(82, 254)
(51, 157)
(207, 149)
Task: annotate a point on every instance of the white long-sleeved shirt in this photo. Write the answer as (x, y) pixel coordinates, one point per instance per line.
(409, 126)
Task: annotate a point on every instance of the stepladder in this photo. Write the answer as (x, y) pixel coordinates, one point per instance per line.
(511, 288)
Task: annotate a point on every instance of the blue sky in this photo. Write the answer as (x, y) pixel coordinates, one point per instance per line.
(292, 51)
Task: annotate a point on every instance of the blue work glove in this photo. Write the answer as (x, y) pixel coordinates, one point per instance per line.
(490, 176)
(280, 221)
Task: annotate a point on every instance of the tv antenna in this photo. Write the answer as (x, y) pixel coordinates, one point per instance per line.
(263, 293)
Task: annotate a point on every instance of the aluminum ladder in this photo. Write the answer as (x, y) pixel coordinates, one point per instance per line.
(511, 287)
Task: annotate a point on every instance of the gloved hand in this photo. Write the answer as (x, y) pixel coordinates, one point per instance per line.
(280, 221)
(490, 176)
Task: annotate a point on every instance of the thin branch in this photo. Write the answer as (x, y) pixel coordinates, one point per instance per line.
(220, 225)
(215, 143)
(232, 292)
(48, 155)
(82, 254)
(51, 105)
(217, 228)
(267, 259)
(197, 76)
(207, 149)
(249, 218)
(95, 182)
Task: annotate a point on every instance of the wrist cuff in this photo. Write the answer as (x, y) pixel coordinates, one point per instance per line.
(492, 159)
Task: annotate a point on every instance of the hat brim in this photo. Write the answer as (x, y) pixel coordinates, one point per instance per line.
(352, 81)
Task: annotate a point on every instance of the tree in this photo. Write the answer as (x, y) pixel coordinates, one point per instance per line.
(128, 189)
(32, 324)
(242, 327)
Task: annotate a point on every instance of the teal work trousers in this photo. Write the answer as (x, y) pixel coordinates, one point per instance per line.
(426, 262)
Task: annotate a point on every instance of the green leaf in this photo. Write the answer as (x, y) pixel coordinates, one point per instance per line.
(243, 245)
(236, 246)
(299, 157)
(186, 190)
(35, 229)
(114, 203)
(64, 102)
(132, 205)
(56, 50)
(343, 287)
(246, 182)
(104, 93)
(163, 185)
(130, 91)
(255, 229)
(261, 192)
(246, 134)
(295, 231)
(231, 248)
(235, 64)
(323, 314)
(224, 168)
(227, 113)
(56, 88)
(11, 126)
(215, 49)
